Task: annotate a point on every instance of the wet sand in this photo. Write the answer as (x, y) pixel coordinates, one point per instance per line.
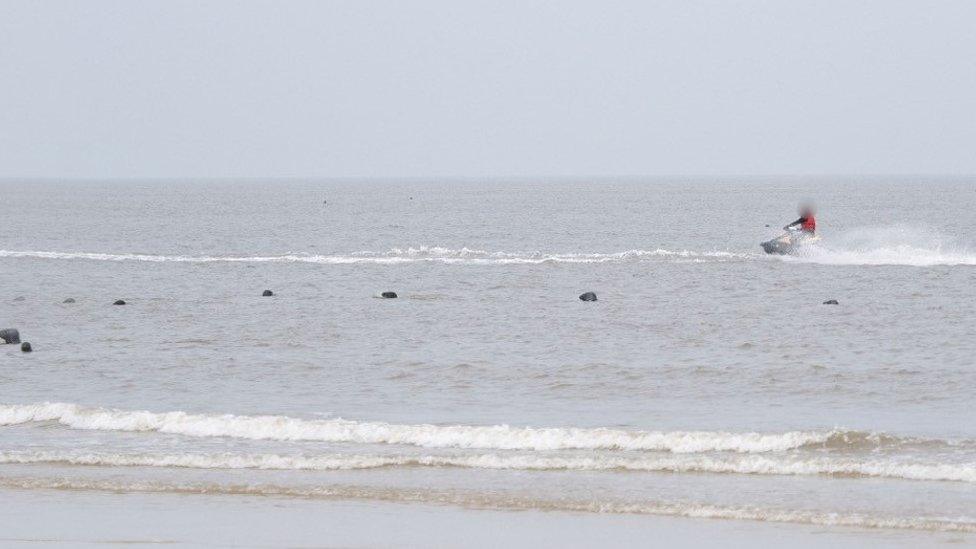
(50, 518)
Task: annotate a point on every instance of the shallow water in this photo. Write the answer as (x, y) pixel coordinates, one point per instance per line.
(709, 380)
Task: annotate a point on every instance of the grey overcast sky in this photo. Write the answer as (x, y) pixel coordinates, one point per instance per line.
(371, 88)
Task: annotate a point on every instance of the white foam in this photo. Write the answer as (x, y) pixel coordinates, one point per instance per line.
(500, 437)
(422, 254)
(730, 464)
(888, 255)
(892, 245)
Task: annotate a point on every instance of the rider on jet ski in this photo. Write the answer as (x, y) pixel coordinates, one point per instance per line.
(807, 223)
(801, 232)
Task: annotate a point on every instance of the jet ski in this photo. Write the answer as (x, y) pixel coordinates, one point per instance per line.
(789, 243)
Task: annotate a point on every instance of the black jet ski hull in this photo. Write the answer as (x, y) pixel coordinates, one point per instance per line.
(778, 248)
(787, 244)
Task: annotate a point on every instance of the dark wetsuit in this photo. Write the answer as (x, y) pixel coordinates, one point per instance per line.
(806, 223)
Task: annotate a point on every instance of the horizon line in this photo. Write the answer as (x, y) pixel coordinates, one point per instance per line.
(476, 178)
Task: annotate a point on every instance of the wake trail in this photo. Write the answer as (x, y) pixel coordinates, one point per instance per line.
(895, 245)
(396, 256)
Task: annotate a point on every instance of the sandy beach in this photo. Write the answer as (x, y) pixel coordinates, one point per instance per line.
(80, 518)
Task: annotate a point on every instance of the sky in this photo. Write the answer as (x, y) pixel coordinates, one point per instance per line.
(497, 88)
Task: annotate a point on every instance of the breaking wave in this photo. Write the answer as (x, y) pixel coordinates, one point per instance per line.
(510, 501)
(423, 254)
(493, 437)
(748, 464)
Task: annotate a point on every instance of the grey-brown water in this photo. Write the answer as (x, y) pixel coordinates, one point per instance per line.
(708, 380)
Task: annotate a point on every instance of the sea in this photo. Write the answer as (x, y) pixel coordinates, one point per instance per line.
(708, 384)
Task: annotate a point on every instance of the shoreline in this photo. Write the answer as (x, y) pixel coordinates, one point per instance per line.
(201, 520)
(51, 518)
